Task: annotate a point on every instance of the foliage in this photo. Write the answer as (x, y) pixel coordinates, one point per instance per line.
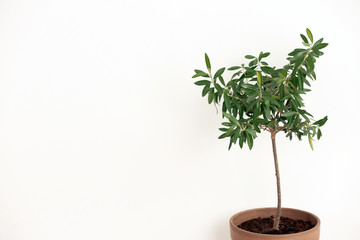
(259, 97)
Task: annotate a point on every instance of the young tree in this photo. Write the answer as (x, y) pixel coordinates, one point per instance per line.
(259, 97)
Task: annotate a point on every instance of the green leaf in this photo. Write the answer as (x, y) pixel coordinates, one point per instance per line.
(202, 82)
(266, 112)
(224, 135)
(249, 57)
(267, 70)
(310, 61)
(222, 80)
(253, 62)
(304, 38)
(318, 41)
(230, 144)
(207, 61)
(236, 135)
(205, 90)
(251, 132)
(309, 34)
(260, 120)
(230, 130)
(257, 129)
(252, 97)
(241, 140)
(200, 74)
(264, 55)
(227, 124)
(319, 134)
(218, 88)
(288, 114)
(231, 118)
(219, 72)
(321, 122)
(320, 46)
(310, 142)
(227, 101)
(234, 68)
(258, 78)
(250, 141)
(211, 95)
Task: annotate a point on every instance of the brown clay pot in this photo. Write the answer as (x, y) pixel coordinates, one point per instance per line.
(240, 234)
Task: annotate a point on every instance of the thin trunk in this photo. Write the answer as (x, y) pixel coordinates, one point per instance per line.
(278, 211)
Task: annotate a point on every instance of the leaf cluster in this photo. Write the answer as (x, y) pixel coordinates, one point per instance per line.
(260, 97)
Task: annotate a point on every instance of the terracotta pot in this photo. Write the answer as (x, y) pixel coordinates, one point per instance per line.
(240, 234)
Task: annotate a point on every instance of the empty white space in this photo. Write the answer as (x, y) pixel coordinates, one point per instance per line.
(103, 134)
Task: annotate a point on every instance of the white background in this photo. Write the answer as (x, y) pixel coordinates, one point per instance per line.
(103, 134)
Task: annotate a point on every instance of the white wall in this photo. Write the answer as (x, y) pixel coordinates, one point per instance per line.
(103, 134)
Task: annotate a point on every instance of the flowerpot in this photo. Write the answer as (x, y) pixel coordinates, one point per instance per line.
(240, 234)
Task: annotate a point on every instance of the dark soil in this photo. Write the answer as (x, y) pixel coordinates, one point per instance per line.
(286, 226)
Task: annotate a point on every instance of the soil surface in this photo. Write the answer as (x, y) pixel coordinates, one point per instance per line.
(286, 226)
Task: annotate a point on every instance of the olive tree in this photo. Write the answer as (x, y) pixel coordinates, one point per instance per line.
(260, 97)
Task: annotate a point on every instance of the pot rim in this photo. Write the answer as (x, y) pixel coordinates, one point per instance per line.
(235, 228)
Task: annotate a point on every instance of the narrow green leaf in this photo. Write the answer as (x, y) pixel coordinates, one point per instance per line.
(226, 124)
(234, 68)
(218, 88)
(257, 129)
(253, 62)
(249, 57)
(224, 135)
(318, 42)
(231, 118)
(304, 38)
(202, 82)
(321, 122)
(251, 132)
(310, 142)
(267, 70)
(230, 130)
(258, 78)
(249, 140)
(222, 80)
(211, 95)
(236, 135)
(308, 32)
(267, 112)
(259, 120)
(207, 61)
(252, 97)
(288, 114)
(200, 74)
(319, 134)
(320, 46)
(219, 72)
(230, 144)
(227, 101)
(264, 55)
(205, 90)
(310, 61)
(241, 141)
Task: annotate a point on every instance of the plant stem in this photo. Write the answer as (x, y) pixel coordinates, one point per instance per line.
(278, 210)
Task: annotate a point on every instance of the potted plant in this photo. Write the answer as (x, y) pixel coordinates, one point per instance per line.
(262, 98)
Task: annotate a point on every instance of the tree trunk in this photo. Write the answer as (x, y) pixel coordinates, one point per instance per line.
(278, 211)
